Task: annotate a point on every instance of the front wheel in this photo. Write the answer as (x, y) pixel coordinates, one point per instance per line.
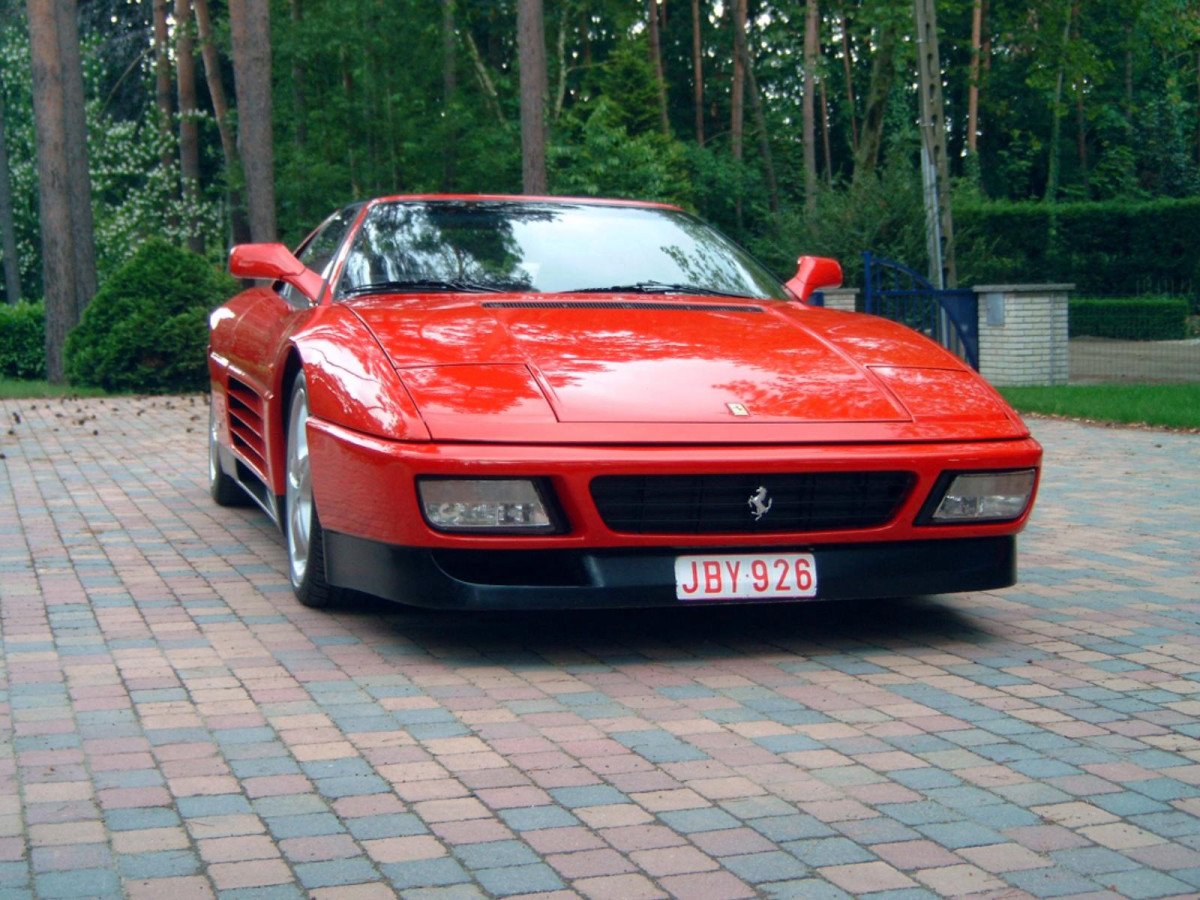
(305, 544)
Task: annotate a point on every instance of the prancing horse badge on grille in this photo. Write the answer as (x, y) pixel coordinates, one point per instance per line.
(760, 503)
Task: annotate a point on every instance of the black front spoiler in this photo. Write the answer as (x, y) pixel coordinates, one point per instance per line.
(629, 577)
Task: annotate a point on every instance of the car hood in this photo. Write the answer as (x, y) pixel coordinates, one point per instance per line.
(631, 369)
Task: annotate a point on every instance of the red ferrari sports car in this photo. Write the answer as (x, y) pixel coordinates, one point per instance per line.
(517, 402)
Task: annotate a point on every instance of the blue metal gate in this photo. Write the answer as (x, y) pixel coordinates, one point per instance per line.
(950, 317)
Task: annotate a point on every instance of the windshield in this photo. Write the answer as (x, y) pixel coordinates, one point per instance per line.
(540, 247)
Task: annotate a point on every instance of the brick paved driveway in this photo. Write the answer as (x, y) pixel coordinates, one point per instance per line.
(173, 725)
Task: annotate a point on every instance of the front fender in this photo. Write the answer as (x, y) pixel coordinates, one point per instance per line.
(351, 381)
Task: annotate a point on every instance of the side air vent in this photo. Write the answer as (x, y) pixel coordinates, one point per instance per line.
(247, 427)
(619, 304)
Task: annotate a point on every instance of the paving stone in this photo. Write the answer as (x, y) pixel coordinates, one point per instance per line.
(182, 728)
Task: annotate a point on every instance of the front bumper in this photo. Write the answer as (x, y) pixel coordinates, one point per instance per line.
(631, 577)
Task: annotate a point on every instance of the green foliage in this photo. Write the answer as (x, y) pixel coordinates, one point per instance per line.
(1129, 318)
(367, 114)
(628, 86)
(1110, 248)
(23, 340)
(597, 157)
(884, 215)
(146, 329)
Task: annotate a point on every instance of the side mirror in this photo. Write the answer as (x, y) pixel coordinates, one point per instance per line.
(275, 262)
(812, 274)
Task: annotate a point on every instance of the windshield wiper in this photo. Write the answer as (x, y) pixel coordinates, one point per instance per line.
(655, 287)
(417, 285)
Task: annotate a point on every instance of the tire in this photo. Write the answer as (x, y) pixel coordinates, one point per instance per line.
(301, 525)
(224, 490)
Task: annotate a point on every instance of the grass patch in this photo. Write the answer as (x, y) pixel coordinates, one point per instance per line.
(1172, 405)
(16, 389)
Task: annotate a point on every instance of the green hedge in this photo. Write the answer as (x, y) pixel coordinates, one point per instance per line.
(1130, 319)
(23, 341)
(147, 327)
(1115, 248)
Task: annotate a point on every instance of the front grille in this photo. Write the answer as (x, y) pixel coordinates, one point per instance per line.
(722, 504)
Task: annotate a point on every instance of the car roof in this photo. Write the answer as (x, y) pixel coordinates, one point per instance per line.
(527, 198)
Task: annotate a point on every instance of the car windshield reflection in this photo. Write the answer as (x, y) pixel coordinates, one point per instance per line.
(538, 247)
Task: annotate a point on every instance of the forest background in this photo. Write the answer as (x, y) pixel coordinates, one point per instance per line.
(1072, 128)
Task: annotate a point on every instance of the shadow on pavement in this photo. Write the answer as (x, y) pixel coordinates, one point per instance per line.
(672, 634)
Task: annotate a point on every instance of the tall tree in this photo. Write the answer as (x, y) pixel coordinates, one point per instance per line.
(250, 30)
(738, 99)
(760, 121)
(882, 75)
(973, 86)
(531, 43)
(825, 134)
(812, 47)
(8, 231)
(698, 72)
(79, 180)
(656, 60)
(848, 72)
(216, 92)
(68, 263)
(162, 80)
(940, 218)
(1056, 113)
(449, 88)
(299, 79)
(189, 129)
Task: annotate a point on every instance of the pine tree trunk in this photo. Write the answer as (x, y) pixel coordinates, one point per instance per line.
(882, 75)
(54, 195)
(825, 135)
(1129, 45)
(973, 87)
(449, 89)
(8, 231)
(1081, 117)
(560, 51)
(738, 100)
(216, 91)
(162, 81)
(250, 30)
(698, 71)
(940, 220)
(847, 55)
(812, 44)
(760, 122)
(79, 181)
(1056, 117)
(656, 61)
(299, 80)
(531, 44)
(189, 130)
(490, 94)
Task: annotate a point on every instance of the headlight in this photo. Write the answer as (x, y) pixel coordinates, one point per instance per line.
(485, 505)
(982, 496)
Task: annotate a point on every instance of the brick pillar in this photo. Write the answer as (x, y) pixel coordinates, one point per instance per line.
(844, 299)
(1023, 333)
